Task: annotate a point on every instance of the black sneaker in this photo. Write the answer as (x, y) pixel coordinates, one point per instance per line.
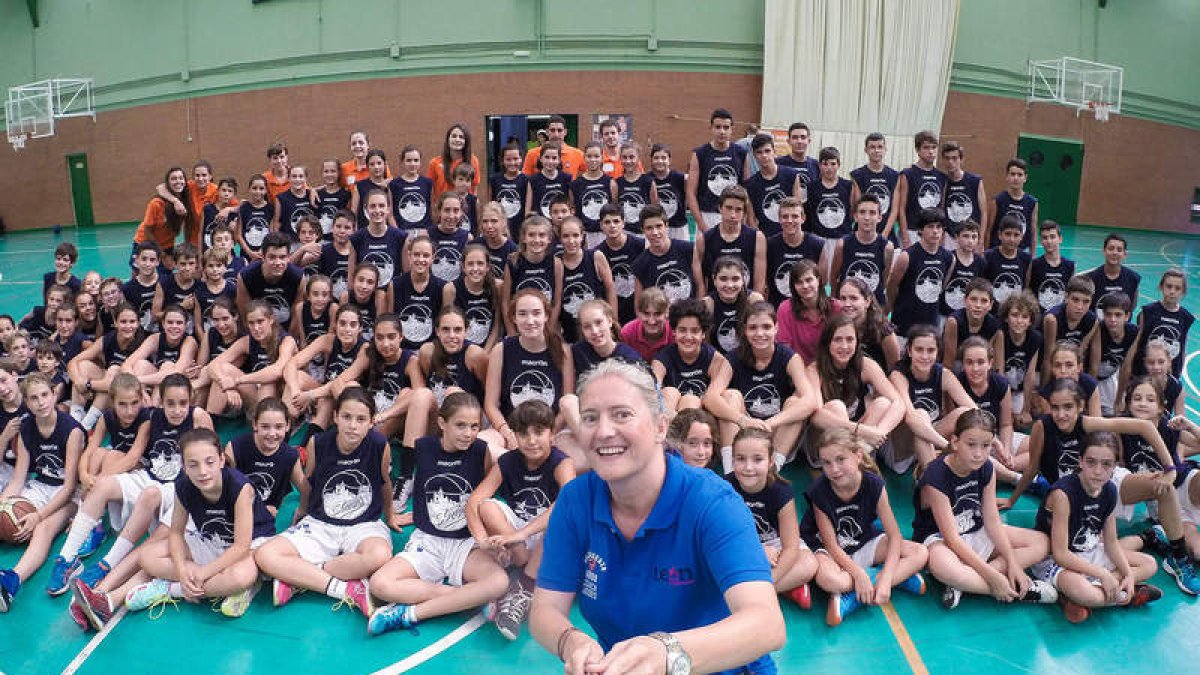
(951, 597)
(1040, 592)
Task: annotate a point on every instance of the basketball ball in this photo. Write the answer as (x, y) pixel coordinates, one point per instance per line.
(12, 510)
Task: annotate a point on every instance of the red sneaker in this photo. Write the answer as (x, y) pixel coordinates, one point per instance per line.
(801, 595)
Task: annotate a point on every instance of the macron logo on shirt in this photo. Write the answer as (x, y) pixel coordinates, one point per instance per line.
(675, 576)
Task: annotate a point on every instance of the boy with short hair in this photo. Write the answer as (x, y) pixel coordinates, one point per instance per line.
(178, 288)
(222, 241)
(731, 237)
(65, 257)
(1022, 351)
(666, 263)
(1050, 272)
(1006, 265)
(1167, 321)
(771, 185)
(1113, 275)
(39, 323)
(649, 332)
(12, 411)
(920, 186)
(789, 247)
(273, 279)
(671, 187)
(966, 198)
(464, 182)
(1112, 361)
(277, 174)
(713, 168)
(620, 249)
(828, 209)
(48, 356)
(799, 136)
(914, 288)
(1015, 202)
(1072, 322)
(141, 289)
(975, 318)
(864, 254)
(876, 178)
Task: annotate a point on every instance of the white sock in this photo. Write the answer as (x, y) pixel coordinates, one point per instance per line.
(120, 548)
(727, 458)
(336, 589)
(93, 415)
(77, 412)
(175, 590)
(780, 460)
(81, 529)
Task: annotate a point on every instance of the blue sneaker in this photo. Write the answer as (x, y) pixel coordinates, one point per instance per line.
(914, 584)
(1184, 571)
(390, 617)
(61, 574)
(1040, 487)
(840, 604)
(94, 540)
(94, 574)
(154, 594)
(10, 583)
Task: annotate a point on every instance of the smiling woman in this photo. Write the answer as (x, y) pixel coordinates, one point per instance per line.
(665, 557)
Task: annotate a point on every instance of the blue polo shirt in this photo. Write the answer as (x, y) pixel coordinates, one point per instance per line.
(698, 541)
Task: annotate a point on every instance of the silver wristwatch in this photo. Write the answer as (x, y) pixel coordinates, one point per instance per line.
(678, 661)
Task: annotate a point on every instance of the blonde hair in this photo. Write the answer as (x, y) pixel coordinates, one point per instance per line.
(846, 440)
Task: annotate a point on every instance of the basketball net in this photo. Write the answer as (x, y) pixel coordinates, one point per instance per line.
(1099, 110)
(18, 141)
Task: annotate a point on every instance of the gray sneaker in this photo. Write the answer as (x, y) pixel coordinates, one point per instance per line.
(512, 610)
(403, 494)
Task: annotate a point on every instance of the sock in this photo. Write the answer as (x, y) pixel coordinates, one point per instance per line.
(93, 415)
(727, 458)
(1178, 549)
(120, 548)
(81, 529)
(780, 460)
(336, 588)
(77, 412)
(175, 590)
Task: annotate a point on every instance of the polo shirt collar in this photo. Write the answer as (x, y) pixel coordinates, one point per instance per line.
(665, 512)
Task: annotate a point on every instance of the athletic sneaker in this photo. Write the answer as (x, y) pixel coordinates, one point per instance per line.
(1184, 571)
(10, 583)
(951, 597)
(1155, 541)
(94, 540)
(1040, 592)
(402, 494)
(1075, 613)
(390, 617)
(357, 596)
(914, 584)
(95, 605)
(61, 573)
(1144, 594)
(281, 593)
(78, 615)
(1039, 487)
(235, 605)
(513, 609)
(152, 594)
(94, 574)
(801, 595)
(840, 605)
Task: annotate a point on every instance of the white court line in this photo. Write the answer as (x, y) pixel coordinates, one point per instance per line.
(430, 651)
(1187, 378)
(91, 646)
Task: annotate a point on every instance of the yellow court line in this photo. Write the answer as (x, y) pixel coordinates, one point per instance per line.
(906, 643)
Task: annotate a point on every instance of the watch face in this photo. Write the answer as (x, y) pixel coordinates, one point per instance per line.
(681, 665)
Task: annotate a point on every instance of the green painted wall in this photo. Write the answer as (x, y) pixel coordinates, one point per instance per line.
(1154, 40)
(145, 50)
(140, 51)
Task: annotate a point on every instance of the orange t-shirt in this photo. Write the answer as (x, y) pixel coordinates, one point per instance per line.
(435, 174)
(351, 174)
(572, 160)
(154, 226)
(276, 186)
(611, 164)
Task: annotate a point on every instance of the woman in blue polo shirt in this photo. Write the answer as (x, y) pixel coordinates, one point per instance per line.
(665, 558)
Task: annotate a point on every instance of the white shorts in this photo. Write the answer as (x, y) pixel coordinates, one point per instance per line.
(682, 233)
(39, 493)
(132, 485)
(1018, 402)
(711, 219)
(864, 557)
(1018, 438)
(166, 506)
(1189, 511)
(204, 551)
(978, 541)
(318, 542)
(778, 545)
(593, 239)
(515, 521)
(436, 558)
(1108, 393)
(1123, 511)
(6, 472)
(1048, 569)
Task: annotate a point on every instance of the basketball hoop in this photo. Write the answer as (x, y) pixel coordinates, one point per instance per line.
(1099, 110)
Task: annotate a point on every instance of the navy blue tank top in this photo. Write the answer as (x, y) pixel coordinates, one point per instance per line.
(919, 295)
(1113, 352)
(443, 483)
(955, 293)
(580, 284)
(585, 357)
(314, 326)
(48, 454)
(882, 185)
(1085, 526)
(853, 520)
(217, 345)
(1060, 450)
(390, 382)
(1170, 327)
(167, 352)
(528, 274)
(457, 374)
(672, 191)
(827, 211)
(142, 298)
(1018, 357)
(214, 521)
(1127, 282)
(410, 202)
(383, 251)
(925, 394)
(335, 266)
(992, 397)
(114, 354)
(498, 257)
(1049, 283)
(205, 299)
(269, 474)
(256, 223)
(510, 194)
(528, 492)
(765, 390)
(291, 210)
(528, 376)
(865, 262)
(589, 195)
(346, 487)
(671, 271)
(545, 189)
(965, 494)
(719, 169)
(279, 294)
(480, 311)
(689, 378)
(620, 262)
(328, 204)
(365, 188)
(765, 195)
(418, 309)
(743, 246)
(447, 252)
(162, 459)
(926, 188)
(962, 202)
(633, 196)
(257, 354)
(781, 258)
(340, 358)
(1006, 274)
(1022, 209)
(726, 317)
(1072, 335)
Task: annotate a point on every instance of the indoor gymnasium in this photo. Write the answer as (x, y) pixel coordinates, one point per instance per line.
(679, 264)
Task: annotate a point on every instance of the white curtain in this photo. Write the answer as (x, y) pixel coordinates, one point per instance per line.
(850, 67)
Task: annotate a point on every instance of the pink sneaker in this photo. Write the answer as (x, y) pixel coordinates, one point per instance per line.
(281, 593)
(77, 615)
(359, 595)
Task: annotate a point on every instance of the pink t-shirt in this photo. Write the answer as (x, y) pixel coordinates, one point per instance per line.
(801, 336)
(631, 334)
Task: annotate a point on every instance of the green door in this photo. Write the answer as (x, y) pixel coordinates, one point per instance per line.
(81, 190)
(1055, 173)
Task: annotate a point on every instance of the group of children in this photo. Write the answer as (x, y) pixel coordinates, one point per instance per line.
(426, 348)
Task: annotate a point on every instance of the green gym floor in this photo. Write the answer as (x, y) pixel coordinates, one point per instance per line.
(914, 634)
